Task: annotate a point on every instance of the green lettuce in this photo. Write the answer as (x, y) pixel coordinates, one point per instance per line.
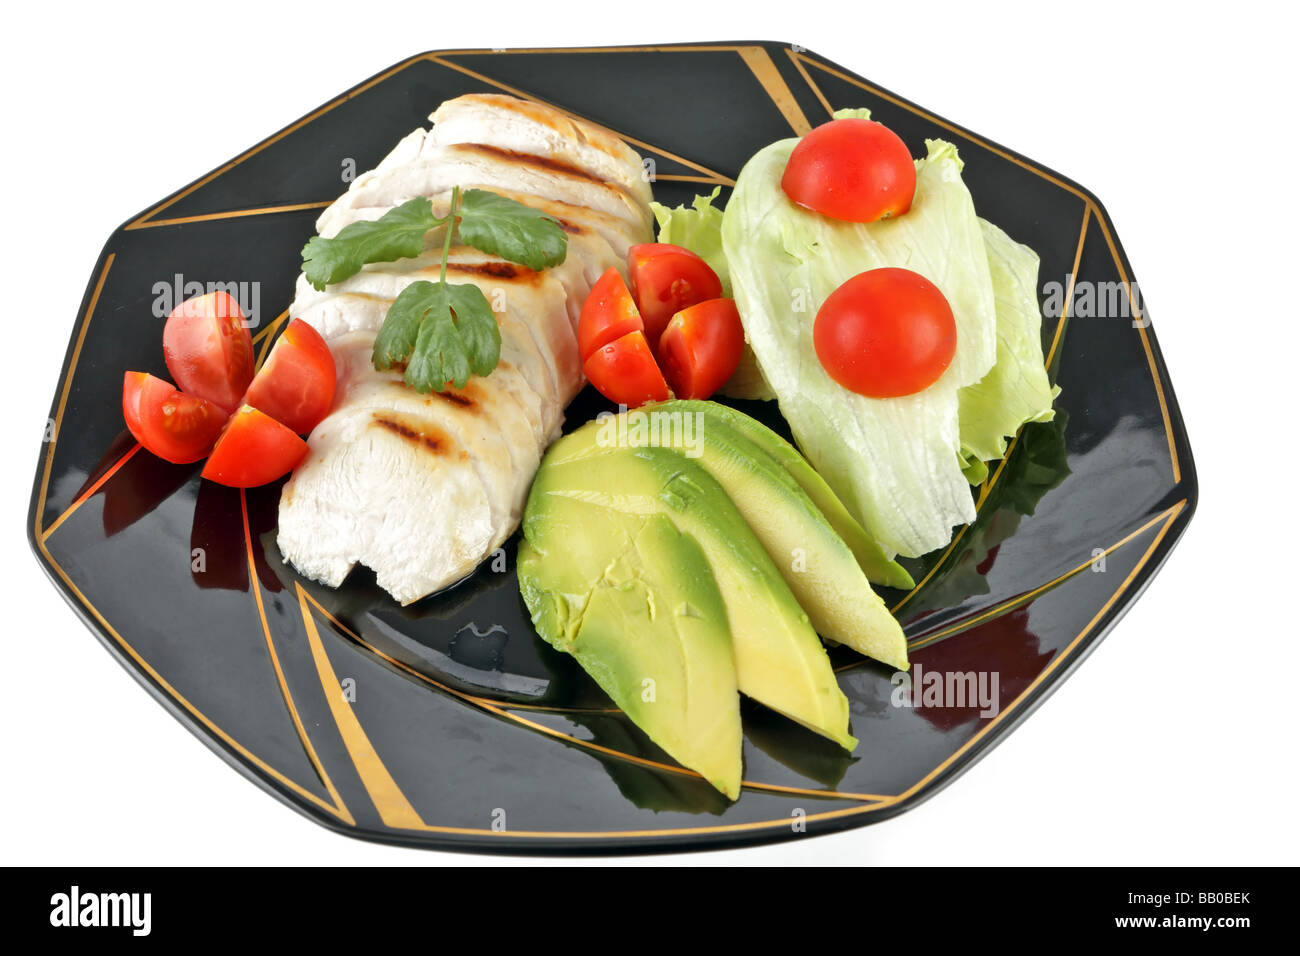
(698, 227)
(895, 463)
(1016, 390)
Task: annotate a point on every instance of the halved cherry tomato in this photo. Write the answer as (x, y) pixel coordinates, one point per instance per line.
(174, 426)
(885, 333)
(209, 350)
(296, 385)
(701, 348)
(608, 314)
(253, 450)
(624, 371)
(852, 169)
(666, 279)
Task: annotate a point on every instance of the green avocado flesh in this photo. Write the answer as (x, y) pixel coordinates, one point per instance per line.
(635, 601)
(818, 566)
(879, 568)
(779, 660)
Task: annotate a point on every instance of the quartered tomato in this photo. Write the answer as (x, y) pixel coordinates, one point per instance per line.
(701, 348)
(666, 279)
(608, 314)
(209, 350)
(852, 169)
(174, 426)
(624, 371)
(253, 450)
(885, 333)
(296, 384)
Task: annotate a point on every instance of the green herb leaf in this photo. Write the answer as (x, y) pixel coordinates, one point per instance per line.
(443, 332)
(511, 230)
(397, 234)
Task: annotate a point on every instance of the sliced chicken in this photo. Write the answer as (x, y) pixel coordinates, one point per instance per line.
(506, 122)
(421, 488)
(437, 169)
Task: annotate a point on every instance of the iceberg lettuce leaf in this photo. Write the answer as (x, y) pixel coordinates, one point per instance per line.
(1016, 390)
(895, 463)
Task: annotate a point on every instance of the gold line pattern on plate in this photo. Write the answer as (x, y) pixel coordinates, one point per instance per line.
(764, 69)
(89, 492)
(340, 809)
(266, 337)
(146, 220)
(715, 177)
(1141, 323)
(502, 710)
(229, 214)
(1069, 289)
(1011, 604)
(67, 387)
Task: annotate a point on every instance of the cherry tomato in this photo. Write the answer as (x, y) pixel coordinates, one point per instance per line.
(885, 333)
(253, 450)
(296, 385)
(209, 350)
(624, 371)
(851, 169)
(174, 426)
(608, 314)
(666, 279)
(701, 348)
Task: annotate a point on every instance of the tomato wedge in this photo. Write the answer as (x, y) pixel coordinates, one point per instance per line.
(885, 333)
(296, 384)
(701, 348)
(624, 371)
(852, 169)
(253, 450)
(174, 426)
(209, 350)
(607, 314)
(666, 279)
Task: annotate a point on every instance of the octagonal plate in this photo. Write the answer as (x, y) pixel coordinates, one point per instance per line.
(449, 723)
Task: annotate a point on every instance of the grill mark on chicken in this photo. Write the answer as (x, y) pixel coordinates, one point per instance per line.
(494, 269)
(432, 440)
(602, 140)
(453, 398)
(547, 163)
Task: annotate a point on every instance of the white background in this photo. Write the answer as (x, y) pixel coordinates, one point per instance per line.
(1176, 740)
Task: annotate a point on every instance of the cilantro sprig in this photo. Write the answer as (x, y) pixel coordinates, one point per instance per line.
(442, 332)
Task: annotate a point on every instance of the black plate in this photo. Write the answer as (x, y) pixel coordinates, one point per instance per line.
(466, 731)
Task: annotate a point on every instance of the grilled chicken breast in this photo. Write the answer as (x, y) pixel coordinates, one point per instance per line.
(421, 488)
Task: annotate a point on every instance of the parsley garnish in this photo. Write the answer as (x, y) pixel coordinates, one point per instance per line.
(443, 332)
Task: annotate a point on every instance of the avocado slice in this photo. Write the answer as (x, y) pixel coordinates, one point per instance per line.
(634, 600)
(817, 565)
(780, 661)
(879, 567)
